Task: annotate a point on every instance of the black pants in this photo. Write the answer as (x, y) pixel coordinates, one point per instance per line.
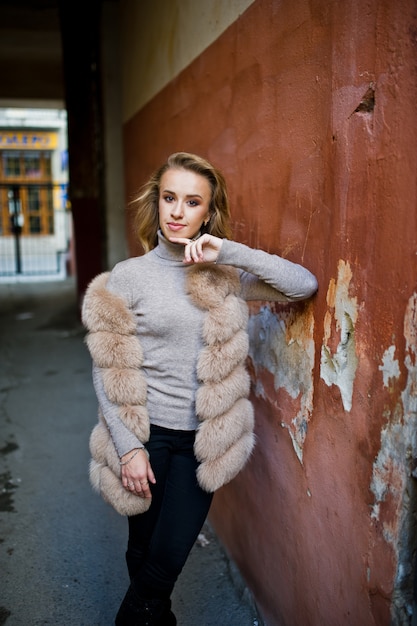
(161, 539)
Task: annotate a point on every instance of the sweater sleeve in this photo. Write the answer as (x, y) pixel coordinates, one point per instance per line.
(107, 319)
(123, 439)
(267, 276)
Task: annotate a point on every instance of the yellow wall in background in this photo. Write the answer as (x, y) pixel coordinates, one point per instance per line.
(160, 38)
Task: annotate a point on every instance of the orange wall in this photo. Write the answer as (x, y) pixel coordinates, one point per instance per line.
(308, 107)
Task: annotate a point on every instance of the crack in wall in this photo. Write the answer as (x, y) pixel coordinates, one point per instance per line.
(367, 103)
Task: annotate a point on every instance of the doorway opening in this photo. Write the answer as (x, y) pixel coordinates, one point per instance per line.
(35, 224)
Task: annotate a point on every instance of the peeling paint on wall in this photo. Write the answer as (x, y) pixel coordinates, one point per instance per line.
(390, 367)
(283, 345)
(339, 368)
(394, 474)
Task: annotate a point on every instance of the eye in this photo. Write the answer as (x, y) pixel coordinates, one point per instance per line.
(168, 198)
(193, 203)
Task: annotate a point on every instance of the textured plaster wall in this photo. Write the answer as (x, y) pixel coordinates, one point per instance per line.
(309, 109)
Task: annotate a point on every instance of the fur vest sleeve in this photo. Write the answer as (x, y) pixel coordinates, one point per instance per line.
(224, 439)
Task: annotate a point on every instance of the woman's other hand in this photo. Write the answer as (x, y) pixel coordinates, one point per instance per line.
(205, 249)
(137, 473)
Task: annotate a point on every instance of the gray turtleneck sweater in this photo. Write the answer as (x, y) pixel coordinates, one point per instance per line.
(169, 326)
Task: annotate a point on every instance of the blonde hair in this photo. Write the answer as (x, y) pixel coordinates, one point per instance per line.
(146, 203)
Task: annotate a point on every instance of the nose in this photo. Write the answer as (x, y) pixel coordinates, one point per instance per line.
(176, 209)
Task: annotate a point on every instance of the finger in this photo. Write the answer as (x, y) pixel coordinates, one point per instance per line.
(199, 250)
(188, 252)
(151, 476)
(182, 240)
(194, 253)
(142, 490)
(132, 488)
(185, 242)
(146, 492)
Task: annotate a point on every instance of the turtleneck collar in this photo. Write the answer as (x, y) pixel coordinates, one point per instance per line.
(169, 251)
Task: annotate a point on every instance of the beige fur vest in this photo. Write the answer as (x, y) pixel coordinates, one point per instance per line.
(224, 439)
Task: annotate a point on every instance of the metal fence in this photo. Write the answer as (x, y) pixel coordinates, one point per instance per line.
(31, 256)
(33, 237)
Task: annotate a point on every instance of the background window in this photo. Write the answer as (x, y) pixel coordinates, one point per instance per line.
(11, 164)
(32, 165)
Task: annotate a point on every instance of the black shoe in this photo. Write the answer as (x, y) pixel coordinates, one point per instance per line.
(136, 611)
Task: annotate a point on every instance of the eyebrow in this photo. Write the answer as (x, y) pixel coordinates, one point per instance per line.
(189, 195)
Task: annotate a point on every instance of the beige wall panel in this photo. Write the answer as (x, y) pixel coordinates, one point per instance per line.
(160, 38)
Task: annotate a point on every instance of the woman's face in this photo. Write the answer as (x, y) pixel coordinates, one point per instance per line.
(184, 200)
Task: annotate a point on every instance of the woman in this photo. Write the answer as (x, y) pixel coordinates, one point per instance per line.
(167, 334)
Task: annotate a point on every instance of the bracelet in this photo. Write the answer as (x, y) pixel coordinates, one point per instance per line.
(130, 458)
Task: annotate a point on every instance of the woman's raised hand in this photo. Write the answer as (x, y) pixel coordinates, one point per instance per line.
(205, 249)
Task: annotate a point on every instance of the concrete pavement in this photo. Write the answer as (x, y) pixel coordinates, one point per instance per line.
(61, 547)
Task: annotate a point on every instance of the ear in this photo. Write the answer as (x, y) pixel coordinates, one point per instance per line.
(206, 221)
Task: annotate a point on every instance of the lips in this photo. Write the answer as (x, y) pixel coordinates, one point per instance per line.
(175, 227)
